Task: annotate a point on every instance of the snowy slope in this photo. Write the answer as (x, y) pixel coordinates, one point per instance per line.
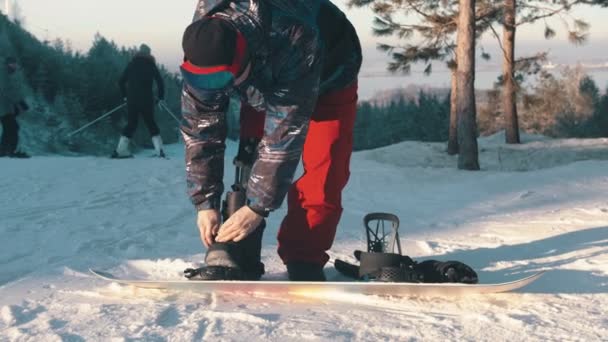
(534, 207)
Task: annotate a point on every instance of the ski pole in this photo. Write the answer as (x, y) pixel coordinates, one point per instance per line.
(96, 120)
(164, 106)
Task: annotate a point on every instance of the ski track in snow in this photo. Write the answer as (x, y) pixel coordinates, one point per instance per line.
(534, 207)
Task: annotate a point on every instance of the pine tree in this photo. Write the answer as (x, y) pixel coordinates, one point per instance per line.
(468, 158)
(435, 25)
(517, 13)
(70, 89)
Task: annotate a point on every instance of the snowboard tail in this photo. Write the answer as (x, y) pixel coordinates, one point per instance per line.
(303, 288)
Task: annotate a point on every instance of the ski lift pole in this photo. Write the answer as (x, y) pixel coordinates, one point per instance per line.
(97, 120)
(164, 106)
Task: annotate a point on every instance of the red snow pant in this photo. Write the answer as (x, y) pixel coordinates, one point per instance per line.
(315, 199)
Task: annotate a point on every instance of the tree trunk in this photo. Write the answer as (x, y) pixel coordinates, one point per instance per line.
(453, 133)
(510, 88)
(468, 158)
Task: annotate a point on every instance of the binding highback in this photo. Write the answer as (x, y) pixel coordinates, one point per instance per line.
(382, 238)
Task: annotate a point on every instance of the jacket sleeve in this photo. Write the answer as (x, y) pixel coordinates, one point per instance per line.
(159, 83)
(289, 107)
(204, 130)
(122, 83)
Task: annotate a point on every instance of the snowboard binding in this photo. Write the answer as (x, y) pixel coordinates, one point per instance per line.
(211, 273)
(384, 261)
(214, 273)
(380, 238)
(235, 260)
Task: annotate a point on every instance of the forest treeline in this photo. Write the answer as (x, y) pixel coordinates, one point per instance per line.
(68, 89)
(565, 105)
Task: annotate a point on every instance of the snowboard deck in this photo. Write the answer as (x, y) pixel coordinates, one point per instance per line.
(303, 288)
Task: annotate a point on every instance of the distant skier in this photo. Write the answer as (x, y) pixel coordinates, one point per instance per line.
(136, 87)
(294, 65)
(11, 105)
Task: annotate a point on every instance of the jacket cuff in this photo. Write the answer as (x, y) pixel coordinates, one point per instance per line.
(211, 203)
(260, 211)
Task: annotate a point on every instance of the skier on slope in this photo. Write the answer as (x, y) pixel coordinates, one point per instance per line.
(11, 105)
(136, 87)
(294, 65)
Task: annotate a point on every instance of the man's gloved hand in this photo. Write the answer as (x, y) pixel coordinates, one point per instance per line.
(124, 99)
(240, 224)
(208, 222)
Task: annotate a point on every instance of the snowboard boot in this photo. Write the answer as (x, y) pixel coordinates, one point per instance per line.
(305, 271)
(157, 141)
(233, 260)
(122, 150)
(19, 155)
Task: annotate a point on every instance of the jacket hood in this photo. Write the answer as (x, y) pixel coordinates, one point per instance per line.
(306, 9)
(207, 7)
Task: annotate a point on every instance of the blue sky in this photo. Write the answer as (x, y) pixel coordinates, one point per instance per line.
(161, 23)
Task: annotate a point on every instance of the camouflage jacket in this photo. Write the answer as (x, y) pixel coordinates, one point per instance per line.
(301, 49)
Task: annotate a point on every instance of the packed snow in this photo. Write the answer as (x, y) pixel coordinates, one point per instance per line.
(539, 206)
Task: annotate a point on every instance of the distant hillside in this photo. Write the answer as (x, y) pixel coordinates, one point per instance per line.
(412, 93)
(409, 93)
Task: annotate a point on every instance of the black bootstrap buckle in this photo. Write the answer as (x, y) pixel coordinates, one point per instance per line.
(191, 272)
(403, 274)
(214, 273)
(388, 267)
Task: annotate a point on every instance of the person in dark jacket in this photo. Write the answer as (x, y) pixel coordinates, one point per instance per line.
(136, 87)
(294, 65)
(11, 105)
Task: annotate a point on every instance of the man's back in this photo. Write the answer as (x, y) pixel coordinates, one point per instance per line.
(139, 77)
(10, 92)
